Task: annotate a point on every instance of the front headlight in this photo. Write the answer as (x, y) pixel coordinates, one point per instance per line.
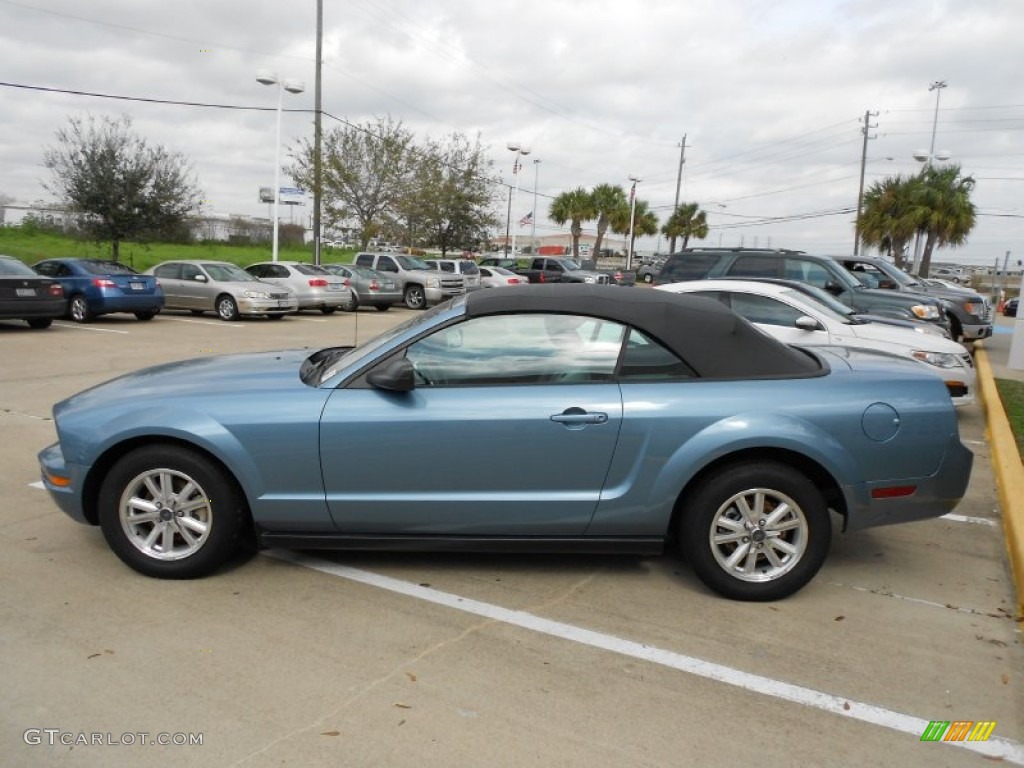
(938, 359)
(433, 282)
(925, 312)
(256, 295)
(973, 308)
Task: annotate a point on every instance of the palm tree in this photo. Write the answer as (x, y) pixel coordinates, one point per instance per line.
(889, 217)
(607, 200)
(945, 211)
(686, 221)
(575, 207)
(644, 222)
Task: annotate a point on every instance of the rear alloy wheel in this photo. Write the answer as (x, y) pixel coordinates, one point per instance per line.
(415, 298)
(170, 512)
(757, 531)
(227, 309)
(78, 309)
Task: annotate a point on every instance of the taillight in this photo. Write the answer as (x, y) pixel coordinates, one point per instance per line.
(513, 281)
(374, 285)
(102, 282)
(55, 290)
(317, 282)
(346, 283)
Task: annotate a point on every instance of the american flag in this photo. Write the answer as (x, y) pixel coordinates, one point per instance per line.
(526, 219)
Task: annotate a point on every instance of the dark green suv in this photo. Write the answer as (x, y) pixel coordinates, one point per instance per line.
(822, 271)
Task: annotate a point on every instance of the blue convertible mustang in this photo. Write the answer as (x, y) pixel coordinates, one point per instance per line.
(632, 418)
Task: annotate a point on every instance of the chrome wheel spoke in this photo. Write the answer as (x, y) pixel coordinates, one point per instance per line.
(151, 537)
(192, 524)
(783, 546)
(758, 535)
(738, 554)
(777, 514)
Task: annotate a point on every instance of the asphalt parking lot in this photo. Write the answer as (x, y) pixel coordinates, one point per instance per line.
(310, 659)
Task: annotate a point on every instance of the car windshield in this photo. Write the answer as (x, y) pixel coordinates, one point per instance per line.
(15, 267)
(331, 364)
(571, 265)
(229, 273)
(469, 268)
(310, 269)
(830, 302)
(100, 267)
(408, 262)
(840, 315)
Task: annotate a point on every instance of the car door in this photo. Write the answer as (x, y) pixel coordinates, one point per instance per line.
(169, 277)
(510, 430)
(195, 288)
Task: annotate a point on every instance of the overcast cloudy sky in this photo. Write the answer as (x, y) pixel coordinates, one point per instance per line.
(770, 95)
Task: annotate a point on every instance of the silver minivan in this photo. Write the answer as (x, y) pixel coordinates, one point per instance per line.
(222, 287)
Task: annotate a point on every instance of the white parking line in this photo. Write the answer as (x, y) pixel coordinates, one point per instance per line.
(218, 323)
(37, 484)
(967, 519)
(997, 747)
(90, 328)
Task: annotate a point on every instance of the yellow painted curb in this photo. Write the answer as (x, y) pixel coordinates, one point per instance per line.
(1008, 468)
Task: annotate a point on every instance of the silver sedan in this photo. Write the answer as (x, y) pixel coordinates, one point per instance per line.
(221, 287)
(369, 287)
(313, 286)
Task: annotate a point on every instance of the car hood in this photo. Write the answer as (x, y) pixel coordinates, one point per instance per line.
(904, 337)
(223, 374)
(898, 297)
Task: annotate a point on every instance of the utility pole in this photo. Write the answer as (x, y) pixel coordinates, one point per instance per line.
(317, 165)
(679, 181)
(868, 114)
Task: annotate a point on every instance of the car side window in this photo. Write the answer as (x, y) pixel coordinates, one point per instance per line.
(168, 271)
(386, 264)
(364, 260)
(646, 360)
(47, 268)
(189, 272)
(761, 309)
(755, 265)
(257, 270)
(807, 272)
(275, 270)
(687, 266)
(518, 349)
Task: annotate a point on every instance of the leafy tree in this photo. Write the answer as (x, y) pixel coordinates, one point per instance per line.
(124, 187)
(608, 201)
(644, 222)
(686, 221)
(945, 212)
(889, 217)
(367, 170)
(449, 203)
(575, 207)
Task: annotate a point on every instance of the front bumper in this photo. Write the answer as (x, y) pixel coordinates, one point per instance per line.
(976, 332)
(267, 306)
(67, 495)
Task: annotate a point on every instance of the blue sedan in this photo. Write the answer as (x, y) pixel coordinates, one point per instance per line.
(633, 419)
(99, 287)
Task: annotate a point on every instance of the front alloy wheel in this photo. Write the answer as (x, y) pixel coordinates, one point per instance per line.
(757, 531)
(227, 308)
(415, 298)
(169, 512)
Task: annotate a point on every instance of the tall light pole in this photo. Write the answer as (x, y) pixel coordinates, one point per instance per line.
(926, 157)
(533, 217)
(292, 86)
(632, 221)
(520, 150)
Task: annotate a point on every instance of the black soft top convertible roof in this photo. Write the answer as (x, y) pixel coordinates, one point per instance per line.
(710, 337)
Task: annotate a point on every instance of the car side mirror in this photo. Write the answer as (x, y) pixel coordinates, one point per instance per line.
(805, 323)
(200, 278)
(396, 376)
(889, 285)
(833, 287)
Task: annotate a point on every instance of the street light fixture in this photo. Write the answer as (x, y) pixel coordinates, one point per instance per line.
(292, 86)
(520, 150)
(926, 157)
(632, 219)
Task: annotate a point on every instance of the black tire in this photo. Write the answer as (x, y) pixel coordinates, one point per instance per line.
(186, 544)
(145, 316)
(352, 304)
(798, 541)
(227, 308)
(415, 298)
(39, 323)
(276, 317)
(956, 331)
(78, 309)
(196, 312)
(383, 307)
(328, 310)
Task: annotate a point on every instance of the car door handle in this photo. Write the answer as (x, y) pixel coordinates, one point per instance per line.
(579, 417)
